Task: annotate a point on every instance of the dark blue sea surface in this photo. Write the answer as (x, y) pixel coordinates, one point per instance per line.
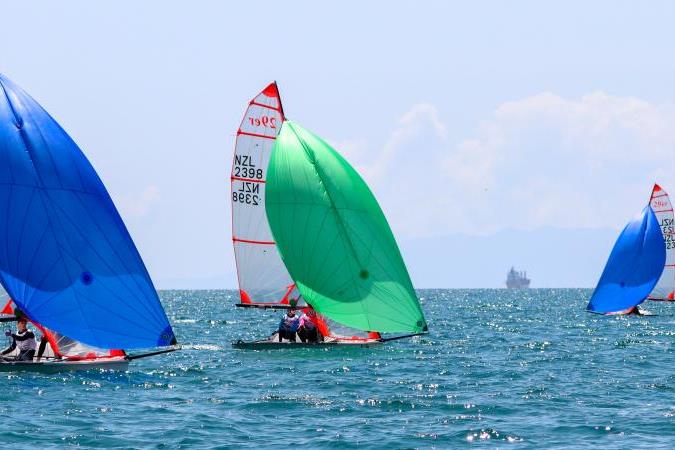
(522, 369)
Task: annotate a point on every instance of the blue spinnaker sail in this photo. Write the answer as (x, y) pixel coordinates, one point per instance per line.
(633, 268)
(66, 258)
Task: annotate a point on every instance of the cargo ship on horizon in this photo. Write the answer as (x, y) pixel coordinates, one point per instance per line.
(517, 280)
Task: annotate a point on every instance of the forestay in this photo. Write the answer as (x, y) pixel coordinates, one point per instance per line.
(334, 238)
(66, 258)
(663, 209)
(263, 278)
(633, 268)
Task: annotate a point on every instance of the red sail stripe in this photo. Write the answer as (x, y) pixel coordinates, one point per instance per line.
(249, 241)
(253, 102)
(665, 210)
(256, 135)
(247, 179)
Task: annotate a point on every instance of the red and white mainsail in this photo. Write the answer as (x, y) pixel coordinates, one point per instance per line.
(263, 278)
(660, 203)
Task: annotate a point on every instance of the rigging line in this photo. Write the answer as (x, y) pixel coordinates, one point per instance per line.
(145, 355)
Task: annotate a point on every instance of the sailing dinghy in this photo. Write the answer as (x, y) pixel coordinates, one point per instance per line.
(633, 268)
(67, 260)
(307, 228)
(663, 209)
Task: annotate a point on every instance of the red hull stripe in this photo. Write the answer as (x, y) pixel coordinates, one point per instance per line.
(264, 106)
(248, 241)
(256, 135)
(247, 179)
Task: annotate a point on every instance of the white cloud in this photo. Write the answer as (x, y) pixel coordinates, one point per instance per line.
(139, 203)
(539, 161)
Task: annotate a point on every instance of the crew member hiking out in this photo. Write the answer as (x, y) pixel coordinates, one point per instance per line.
(24, 339)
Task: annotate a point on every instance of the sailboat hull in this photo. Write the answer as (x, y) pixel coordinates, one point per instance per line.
(273, 343)
(55, 366)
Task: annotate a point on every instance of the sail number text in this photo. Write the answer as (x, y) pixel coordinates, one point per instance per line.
(248, 193)
(244, 168)
(668, 228)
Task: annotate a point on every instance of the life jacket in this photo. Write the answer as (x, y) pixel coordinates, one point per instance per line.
(26, 344)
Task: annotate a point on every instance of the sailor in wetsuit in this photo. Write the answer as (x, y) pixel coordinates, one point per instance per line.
(307, 330)
(24, 339)
(288, 326)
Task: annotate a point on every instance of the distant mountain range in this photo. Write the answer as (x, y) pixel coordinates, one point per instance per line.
(552, 257)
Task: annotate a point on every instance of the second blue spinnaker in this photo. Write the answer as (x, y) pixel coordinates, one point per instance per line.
(633, 268)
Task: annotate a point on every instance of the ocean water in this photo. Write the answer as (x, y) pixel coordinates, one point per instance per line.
(521, 369)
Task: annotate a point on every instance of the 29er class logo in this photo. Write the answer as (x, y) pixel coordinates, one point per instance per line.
(263, 121)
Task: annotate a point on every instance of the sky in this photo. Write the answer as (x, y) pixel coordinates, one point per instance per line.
(485, 129)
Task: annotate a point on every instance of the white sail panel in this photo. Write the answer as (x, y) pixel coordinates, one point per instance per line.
(663, 209)
(263, 278)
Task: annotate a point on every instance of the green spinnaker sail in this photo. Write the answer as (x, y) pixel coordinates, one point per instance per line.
(334, 239)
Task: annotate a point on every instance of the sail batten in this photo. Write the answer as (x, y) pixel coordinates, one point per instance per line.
(66, 254)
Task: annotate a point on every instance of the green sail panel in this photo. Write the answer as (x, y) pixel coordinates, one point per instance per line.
(334, 239)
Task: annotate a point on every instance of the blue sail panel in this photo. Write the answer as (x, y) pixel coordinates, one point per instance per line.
(66, 257)
(633, 268)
